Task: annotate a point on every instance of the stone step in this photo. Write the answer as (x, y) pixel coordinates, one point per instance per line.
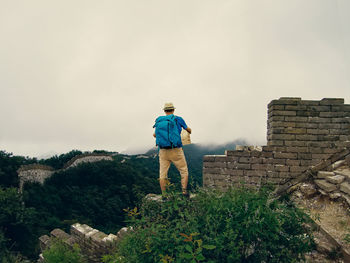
(345, 187)
(324, 174)
(335, 179)
(338, 164)
(344, 172)
(324, 185)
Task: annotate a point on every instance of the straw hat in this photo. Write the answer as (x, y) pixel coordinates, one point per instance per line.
(169, 106)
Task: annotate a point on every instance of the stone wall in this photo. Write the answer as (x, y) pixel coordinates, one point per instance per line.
(93, 243)
(39, 173)
(301, 133)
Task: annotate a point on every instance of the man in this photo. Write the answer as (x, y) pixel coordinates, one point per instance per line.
(170, 146)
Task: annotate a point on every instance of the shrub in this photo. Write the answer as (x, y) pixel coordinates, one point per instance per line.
(59, 252)
(236, 226)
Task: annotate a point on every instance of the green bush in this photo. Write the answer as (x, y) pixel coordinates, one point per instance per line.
(236, 226)
(59, 252)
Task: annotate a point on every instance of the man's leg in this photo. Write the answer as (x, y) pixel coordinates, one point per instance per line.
(179, 160)
(164, 164)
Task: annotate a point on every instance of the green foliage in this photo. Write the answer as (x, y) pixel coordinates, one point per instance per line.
(59, 252)
(91, 193)
(236, 226)
(16, 222)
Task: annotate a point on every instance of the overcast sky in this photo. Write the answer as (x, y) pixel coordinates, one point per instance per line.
(95, 74)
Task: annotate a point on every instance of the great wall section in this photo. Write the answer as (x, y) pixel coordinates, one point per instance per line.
(39, 173)
(307, 151)
(301, 134)
(307, 156)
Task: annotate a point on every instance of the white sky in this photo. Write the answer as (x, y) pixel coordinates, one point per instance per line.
(95, 74)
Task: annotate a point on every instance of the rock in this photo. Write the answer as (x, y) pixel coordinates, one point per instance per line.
(335, 195)
(324, 174)
(323, 246)
(325, 186)
(335, 179)
(338, 164)
(346, 198)
(344, 172)
(345, 187)
(308, 189)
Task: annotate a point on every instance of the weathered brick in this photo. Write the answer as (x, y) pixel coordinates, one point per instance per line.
(297, 149)
(306, 162)
(315, 149)
(240, 153)
(332, 101)
(282, 137)
(307, 137)
(261, 167)
(296, 143)
(282, 113)
(281, 124)
(306, 125)
(317, 131)
(336, 132)
(324, 174)
(296, 119)
(308, 113)
(341, 120)
(325, 185)
(293, 162)
(329, 126)
(310, 102)
(297, 169)
(275, 142)
(276, 107)
(295, 107)
(330, 114)
(305, 156)
(281, 168)
(336, 179)
(238, 166)
(320, 108)
(231, 159)
(328, 137)
(272, 119)
(274, 161)
(284, 102)
(213, 170)
(344, 138)
(220, 158)
(266, 154)
(278, 155)
(235, 172)
(208, 158)
(295, 130)
(320, 144)
(318, 120)
(252, 173)
(320, 156)
(215, 165)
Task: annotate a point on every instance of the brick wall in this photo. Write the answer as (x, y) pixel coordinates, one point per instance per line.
(301, 133)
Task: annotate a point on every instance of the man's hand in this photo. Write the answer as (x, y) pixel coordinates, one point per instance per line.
(189, 130)
(154, 135)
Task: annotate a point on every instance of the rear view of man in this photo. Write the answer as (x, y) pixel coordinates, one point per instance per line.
(168, 139)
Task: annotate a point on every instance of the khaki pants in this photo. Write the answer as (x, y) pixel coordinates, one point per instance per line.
(177, 157)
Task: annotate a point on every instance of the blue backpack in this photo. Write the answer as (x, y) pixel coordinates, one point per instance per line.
(167, 133)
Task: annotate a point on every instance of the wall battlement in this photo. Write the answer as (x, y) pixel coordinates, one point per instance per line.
(300, 134)
(39, 173)
(93, 243)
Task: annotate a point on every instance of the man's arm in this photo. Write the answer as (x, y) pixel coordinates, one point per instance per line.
(189, 130)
